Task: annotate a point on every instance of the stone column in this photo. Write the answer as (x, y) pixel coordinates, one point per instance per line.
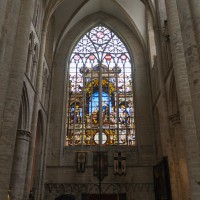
(20, 164)
(164, 123)
(184, 99)
(3, 4)
(195, 9)
(8, 28)
(13, 91)
(192, 56)
(179, 151)
(35, 113)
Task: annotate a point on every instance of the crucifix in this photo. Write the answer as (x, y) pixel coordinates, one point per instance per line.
(119, 163)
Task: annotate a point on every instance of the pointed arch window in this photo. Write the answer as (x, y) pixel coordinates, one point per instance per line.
(100, 107)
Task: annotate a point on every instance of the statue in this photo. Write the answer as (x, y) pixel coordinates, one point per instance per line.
(88, 119)
(124, 116)
(95, 115)
(112, 115)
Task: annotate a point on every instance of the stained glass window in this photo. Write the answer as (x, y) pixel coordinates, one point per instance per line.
(100, 107)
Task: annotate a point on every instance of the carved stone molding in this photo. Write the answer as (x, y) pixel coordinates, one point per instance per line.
(93, 188)
(23, 135)
(175, 119)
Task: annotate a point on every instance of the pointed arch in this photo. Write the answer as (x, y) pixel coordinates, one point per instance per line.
(100, 77)
(106, 20)
(34, 64)
(140, 80)
(23, 120)
(150, 7)
(30, 54)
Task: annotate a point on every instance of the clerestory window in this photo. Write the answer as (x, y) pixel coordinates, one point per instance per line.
(100, 107)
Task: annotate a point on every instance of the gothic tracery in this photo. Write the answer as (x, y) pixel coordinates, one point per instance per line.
(100, 108)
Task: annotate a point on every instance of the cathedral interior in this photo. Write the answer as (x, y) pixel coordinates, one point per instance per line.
(100, 100)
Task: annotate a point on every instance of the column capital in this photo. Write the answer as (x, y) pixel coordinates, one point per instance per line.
(23, 135)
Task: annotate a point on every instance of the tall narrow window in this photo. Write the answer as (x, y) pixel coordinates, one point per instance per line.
(100, 107)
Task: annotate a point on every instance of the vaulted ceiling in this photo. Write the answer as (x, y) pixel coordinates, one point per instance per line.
(67, 13)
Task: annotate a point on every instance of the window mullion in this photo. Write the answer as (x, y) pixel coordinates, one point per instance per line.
(100, 104)
(125, 98)
(83, 110)
(91, 117)
(117, 106)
